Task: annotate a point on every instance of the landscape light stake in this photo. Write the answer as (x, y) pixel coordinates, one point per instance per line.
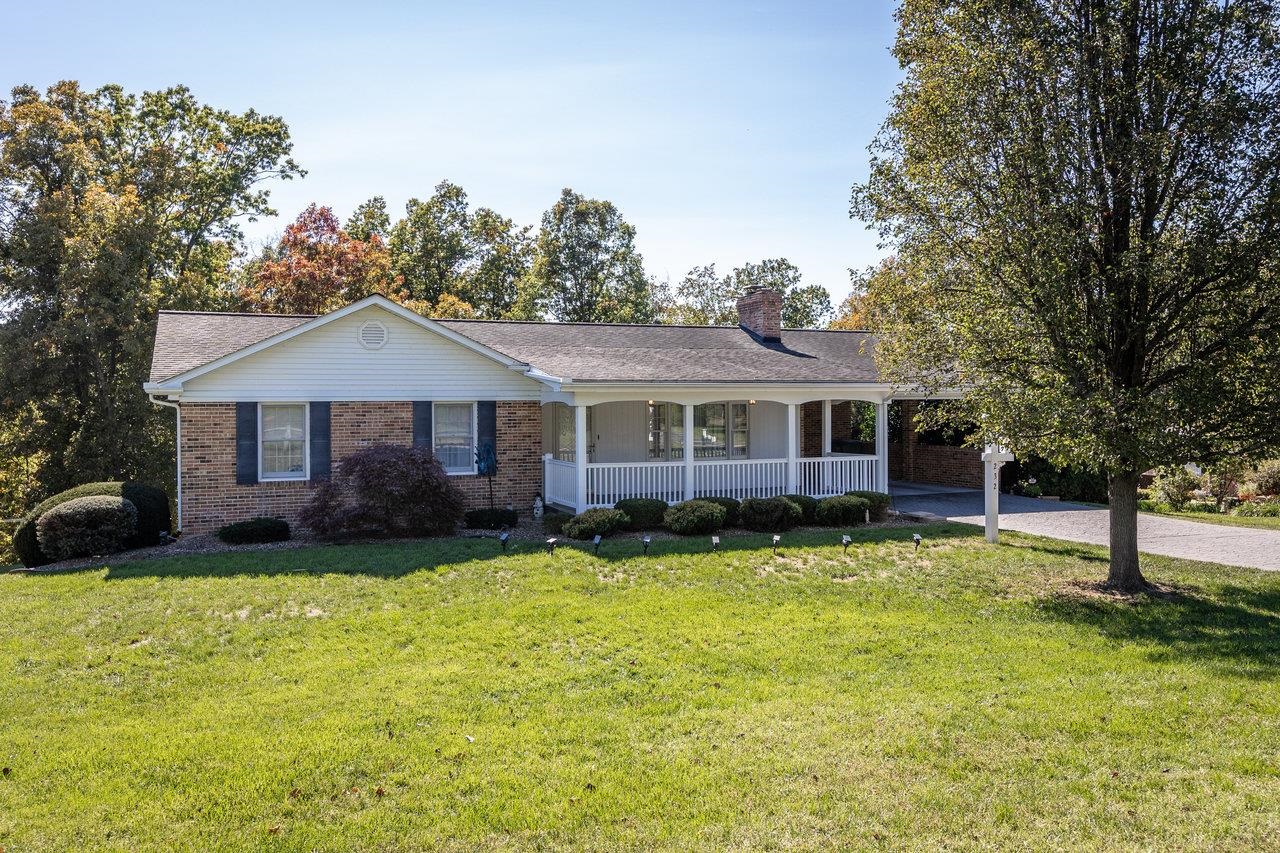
(645, 543)
(845, 540)
(503, 538)
(776, 540)
(551, 545)
(596, 542)
(916, 538)
(715, 543)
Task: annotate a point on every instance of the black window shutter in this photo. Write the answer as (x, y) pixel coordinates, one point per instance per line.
(247, 444)
(487, 424)
(321, 459)
(422, 424)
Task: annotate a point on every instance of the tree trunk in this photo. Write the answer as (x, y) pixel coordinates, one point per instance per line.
(1124, 573)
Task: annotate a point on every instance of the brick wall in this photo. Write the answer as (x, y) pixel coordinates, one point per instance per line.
(811, 425)
(926, 463)
(211, 497)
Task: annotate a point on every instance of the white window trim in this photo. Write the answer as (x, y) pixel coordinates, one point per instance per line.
(675, 420)
(306, 444)
(475, 433)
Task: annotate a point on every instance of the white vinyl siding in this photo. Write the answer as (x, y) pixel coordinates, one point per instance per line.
(454, 441)
(329, 363)
(282, 441)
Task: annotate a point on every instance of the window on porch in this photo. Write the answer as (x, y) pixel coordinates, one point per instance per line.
(720, 431)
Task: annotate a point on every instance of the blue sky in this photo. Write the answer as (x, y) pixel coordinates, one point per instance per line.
(725, 132)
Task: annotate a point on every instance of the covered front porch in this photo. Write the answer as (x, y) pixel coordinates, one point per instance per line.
(676, 445)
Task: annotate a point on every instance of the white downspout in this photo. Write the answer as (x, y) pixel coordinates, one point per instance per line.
(177, 412)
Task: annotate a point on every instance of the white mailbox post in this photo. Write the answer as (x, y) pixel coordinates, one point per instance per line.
(992, 458)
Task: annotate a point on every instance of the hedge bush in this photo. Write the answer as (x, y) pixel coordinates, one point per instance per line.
(595, 522)
(730, 505)
(842, 511)
(150, 502)
(878, 502)
(696, 516)
(554, 521)
(769, 515)
(1173, 486)
(87, 527)
(491, 519)
(1268, 477)
(645, 513)
(255, 530)
(1259, 509)
(808, 507)
(389, 490)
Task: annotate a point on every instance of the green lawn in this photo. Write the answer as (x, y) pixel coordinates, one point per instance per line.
(1265, 522)
(439, 695)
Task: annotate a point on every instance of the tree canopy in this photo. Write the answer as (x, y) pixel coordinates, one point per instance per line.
(705, 298)
(1082, 199)
(112, 206)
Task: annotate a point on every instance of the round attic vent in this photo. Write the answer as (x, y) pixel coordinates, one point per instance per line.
(373, 335)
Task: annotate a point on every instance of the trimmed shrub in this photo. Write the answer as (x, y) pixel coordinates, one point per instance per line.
(595, 522)
(878, 502)
(255, 530)
(1173, 486)
(87, 527)
(730, 505)
(150, 502)
(1259, 509)
(645, 513)
(1200, 506)
(769, 515)
(696, 516)
(491, 519)
(554, 521)
(388, 490)
(808, 507)
(842, 511)
(1268, 477)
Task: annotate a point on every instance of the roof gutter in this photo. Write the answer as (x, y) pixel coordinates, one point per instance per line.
(178, 447)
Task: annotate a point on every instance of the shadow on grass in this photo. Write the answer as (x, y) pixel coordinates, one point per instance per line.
(1213, 622)
(395, 559)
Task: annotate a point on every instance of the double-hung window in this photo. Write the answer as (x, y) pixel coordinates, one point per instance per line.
(720, 431)
(454, 442)
(282, 441)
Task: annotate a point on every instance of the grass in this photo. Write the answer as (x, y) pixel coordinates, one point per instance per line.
(1260, 521)
(439, 695)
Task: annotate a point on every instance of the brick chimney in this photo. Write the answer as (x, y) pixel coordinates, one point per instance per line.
(760, 313)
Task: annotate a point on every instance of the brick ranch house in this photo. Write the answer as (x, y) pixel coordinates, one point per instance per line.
(581, 414)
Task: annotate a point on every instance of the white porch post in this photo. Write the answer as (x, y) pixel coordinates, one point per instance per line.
(688, 452)
(792, 436)
(882, 446)
(826, 427)
(580, 454)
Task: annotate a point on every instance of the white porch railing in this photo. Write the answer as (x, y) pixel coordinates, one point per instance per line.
(740, 478)
(835, 475)
(610, 482)
(559, 481)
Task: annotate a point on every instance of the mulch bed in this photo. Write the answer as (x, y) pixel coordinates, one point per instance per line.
(526, 531)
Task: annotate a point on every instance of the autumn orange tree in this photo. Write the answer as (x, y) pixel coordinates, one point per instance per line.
(317, 267)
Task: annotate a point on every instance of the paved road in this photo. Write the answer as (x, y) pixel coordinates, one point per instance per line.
(1170, 537)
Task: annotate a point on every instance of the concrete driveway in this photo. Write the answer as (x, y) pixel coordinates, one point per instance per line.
(1169, 537)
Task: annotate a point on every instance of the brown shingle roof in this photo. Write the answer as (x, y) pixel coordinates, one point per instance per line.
(582, 352)
(603, 352)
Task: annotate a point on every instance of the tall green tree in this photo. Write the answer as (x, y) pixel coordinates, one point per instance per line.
(705, 298)
(500, 263)
(1083, 197)
(370, 220)
(112, 206)
(587, 267)
(431, 247)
